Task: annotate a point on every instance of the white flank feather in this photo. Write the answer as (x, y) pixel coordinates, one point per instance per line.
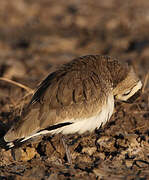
(82, 125)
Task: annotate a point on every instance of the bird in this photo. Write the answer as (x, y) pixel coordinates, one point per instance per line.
(77, 97)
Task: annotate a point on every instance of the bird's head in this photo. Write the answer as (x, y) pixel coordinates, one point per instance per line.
(129, 88)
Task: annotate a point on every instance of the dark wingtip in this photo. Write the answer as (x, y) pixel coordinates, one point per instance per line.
(9, 145)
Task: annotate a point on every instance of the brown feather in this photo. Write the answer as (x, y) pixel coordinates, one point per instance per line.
(76, 90)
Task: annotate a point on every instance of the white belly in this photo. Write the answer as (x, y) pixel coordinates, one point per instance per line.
(89, 124)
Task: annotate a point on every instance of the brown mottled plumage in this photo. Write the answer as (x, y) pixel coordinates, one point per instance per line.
(79, 92)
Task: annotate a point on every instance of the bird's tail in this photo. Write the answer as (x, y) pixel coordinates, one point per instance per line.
(9, 145)
(18, 142)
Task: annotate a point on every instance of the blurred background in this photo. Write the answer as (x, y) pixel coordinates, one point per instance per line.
(38, 35)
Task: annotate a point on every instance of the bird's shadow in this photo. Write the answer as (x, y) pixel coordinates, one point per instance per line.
(3, 130)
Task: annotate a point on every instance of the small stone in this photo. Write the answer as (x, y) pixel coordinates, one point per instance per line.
(89, 150)
(53, 176)
(102, 155)
(21, 155)
(5, 157)
(106, 143)
(129, 163)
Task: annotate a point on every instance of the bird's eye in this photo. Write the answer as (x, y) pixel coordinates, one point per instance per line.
(126, 93)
